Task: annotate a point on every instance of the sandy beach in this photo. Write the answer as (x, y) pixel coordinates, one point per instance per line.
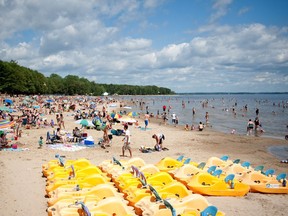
(22, 186)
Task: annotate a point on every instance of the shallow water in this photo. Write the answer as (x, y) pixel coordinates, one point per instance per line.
(280, 152)
(273, 110)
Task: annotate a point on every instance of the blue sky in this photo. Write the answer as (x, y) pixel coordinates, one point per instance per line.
(184, 45)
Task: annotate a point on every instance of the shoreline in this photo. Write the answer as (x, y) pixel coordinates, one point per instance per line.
(23, 188)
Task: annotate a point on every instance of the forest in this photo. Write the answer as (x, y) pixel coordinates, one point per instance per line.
(17, 79)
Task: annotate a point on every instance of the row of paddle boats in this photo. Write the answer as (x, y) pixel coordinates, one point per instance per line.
(80, 188)
(170, 187)
(240, 178)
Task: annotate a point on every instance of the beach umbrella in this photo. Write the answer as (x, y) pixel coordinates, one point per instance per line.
(117, 116)
(49, 101)
(6, 123)
(9, 101)
(36, 107)
(133, 114)
(85, 122)
(127, 107)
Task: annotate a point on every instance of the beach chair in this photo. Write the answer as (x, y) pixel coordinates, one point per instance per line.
(50, 139)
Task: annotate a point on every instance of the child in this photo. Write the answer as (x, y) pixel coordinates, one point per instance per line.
(186, 127)
(40, 142)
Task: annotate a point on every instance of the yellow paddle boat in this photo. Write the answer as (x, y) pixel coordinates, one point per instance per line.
(265, 184)
(100, 192)
(59, 164)
(112, 206)
(193, 204)
(106, 207)
(185, 173)
(207, 184)
(168, 163)
(88, 170)
(92, 180)
(70, 203)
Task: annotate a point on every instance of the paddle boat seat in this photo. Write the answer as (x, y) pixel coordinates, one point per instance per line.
(246, 164)
(269, 172)
(217, 173)
(259, 168)
(209, 211)
(201, 165)
(236, 161)
(211, 169)
(224, 158)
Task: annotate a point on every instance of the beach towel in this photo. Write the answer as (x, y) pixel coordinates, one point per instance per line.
(67, 147)
(143, 128)
(15, 149)
(144, 149)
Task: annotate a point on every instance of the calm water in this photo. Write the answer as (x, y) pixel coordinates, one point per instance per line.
(273, 109)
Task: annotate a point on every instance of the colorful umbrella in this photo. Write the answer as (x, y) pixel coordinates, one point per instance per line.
(8, 101)
(84, 122)
(133, 114)
(117, 116)
(6, 124)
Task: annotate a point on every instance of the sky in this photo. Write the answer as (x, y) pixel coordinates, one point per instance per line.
(184, 45)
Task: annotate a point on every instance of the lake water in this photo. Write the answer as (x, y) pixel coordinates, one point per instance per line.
(273, 110)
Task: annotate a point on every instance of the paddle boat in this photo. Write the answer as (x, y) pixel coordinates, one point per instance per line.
(207, 184)
(91, 169)
(59, 164)
(261, 183)
(100, 192)
(193, 204)
(105, 207)
(167, 164)
(185, 173)
(91, 180)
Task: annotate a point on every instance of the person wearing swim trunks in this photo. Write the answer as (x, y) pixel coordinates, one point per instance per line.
(146, 120)
(126, 139)
(250, 126)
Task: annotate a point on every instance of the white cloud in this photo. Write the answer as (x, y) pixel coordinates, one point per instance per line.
(243, 10)
(88, 39)
(221, 8)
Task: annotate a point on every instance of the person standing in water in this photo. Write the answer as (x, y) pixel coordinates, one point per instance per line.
(250, 127)
(207, 118)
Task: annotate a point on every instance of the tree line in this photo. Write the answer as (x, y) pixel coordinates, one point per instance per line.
(16, 79)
